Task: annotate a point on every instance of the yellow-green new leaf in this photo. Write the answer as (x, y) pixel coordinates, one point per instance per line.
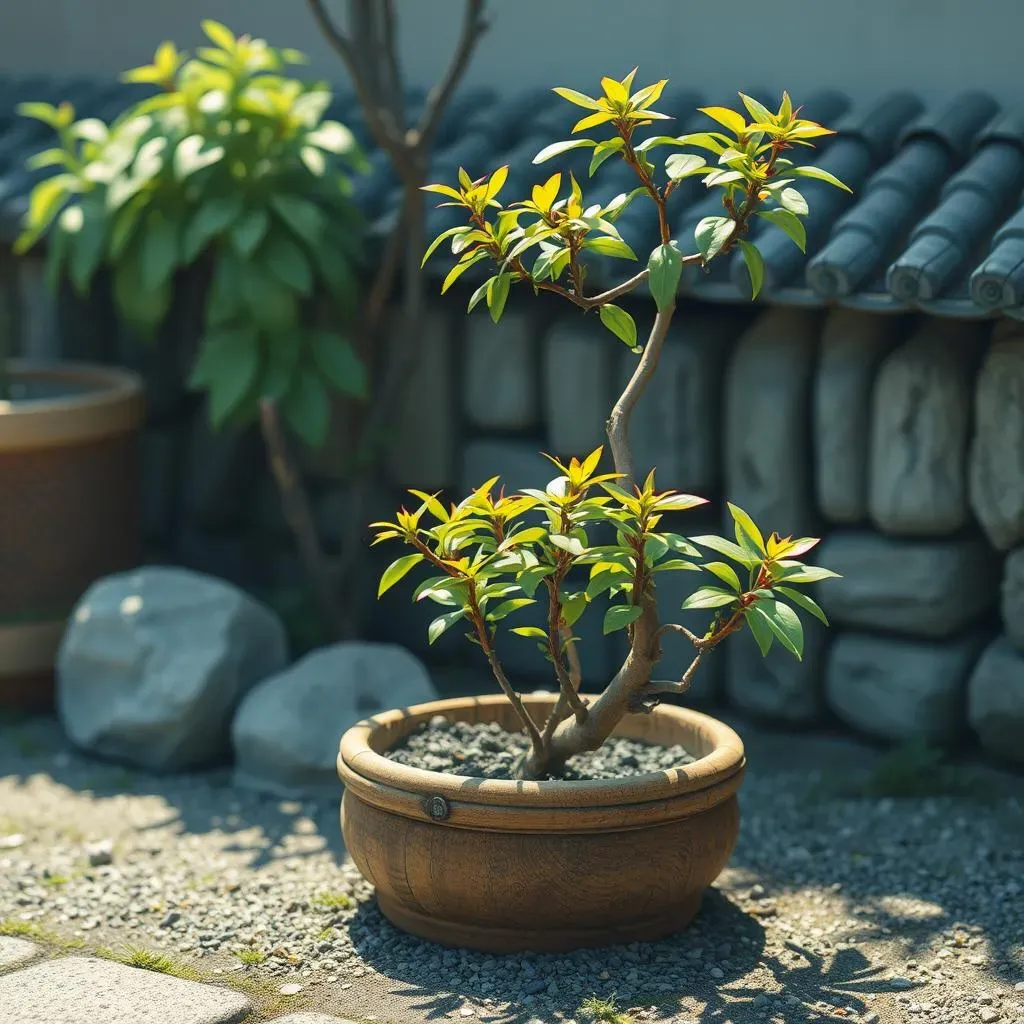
(726, 573)
(809, 171)
(592, 121)
(708, 597)
(758, 111)
(789, 223)
(462, 266)
(396, 570)
(578, 98)
(730, 118)
(747, 526)
(557, 148)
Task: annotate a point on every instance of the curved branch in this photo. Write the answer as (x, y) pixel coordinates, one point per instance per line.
(473, 27)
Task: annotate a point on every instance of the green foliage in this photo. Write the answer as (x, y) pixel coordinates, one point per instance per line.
(231, 165)
(490, 555)
(604, 1011)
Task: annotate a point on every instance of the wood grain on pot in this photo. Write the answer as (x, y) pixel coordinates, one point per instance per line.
(505, 865)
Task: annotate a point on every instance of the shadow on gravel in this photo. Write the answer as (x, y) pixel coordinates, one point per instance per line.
(197, 803)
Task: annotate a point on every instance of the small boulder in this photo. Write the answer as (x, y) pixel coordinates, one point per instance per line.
(995, 701)
(898, 689)
(287, 730)
(154, 662)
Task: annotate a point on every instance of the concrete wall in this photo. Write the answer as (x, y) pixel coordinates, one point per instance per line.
(936, 47)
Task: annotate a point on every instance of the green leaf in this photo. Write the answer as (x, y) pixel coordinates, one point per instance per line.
(43, 205)
(619, 616)
(709, 597)
(45, 112)
(530, 631)
(334, 137)
(620, 323)
(272, 305)
(286, 261)
(758, 111)
(684, 165)
(506, 608)
(338, 362)
(609, 247)
(123, 227)
(189, 156)
(497, 294)
(307, 408)
(809, 171)
(301, 216)
(557, 148)
(314, 160)
(759, 628)
(281, 358)
(804, 602)
(569, 544)
(755, 266)
(47, 158)
(785, 624)
(711, 234)
(248, 231)
(462, 266)
(143, 308)
(793, 201)
(712, 141)
(227, 367)
(212, 217)
(86, 236)
(809, 574)
(603, 150)
(727, 548)
(746, 526)
(664, 270)
(442, 623)
(789, 223)
(459, 229)
(399, 568)
(726, 574)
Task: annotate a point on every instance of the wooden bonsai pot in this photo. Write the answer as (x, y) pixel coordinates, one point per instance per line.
(69, 508)
(505, 866)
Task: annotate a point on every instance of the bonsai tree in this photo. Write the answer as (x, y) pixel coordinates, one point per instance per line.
(494, 554)
(230, 170)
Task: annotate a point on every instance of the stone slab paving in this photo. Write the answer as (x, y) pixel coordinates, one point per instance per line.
(87, 990)
(16, 952)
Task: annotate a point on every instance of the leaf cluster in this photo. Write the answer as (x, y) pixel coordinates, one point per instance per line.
(490, 556)
(556, 225)
(232, 166)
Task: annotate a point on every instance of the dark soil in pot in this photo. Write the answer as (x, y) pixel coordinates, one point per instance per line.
(483, 750)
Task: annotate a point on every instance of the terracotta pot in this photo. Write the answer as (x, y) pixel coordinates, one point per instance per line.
(505, 866)
(69, 508)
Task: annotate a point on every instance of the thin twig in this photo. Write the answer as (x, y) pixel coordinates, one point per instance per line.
(295, 503)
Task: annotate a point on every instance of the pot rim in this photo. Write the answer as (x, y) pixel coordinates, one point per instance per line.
(715, 775)
(115, 406)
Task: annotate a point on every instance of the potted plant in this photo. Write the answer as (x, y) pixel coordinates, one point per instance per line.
(228, 183)
(546, 844)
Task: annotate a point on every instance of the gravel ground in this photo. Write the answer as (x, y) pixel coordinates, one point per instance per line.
(835, 907)
(486, 751)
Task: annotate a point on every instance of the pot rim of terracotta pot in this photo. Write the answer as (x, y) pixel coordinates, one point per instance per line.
(102, 401)
(547, 806)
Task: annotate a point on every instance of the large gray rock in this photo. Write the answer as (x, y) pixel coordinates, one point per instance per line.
(997, 450)
(287, 730)
(675, 427)
(921, 419)
(776, 687)
(768, 460)
(422, 451)
(995, 700)
(928, 588)
(853, 343)
(501, 375)
(579, 369)
(899, 689)
(86, 990)
(1012, 598)
(154, 663)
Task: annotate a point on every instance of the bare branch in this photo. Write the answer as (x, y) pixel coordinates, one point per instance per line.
(297, 511)
(674, 627)
(389, 43)
(473, 27)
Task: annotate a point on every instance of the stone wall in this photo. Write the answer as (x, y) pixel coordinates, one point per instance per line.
(899, 439)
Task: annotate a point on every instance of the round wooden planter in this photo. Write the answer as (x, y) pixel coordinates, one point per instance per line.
(69, 509)
(506, 866)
